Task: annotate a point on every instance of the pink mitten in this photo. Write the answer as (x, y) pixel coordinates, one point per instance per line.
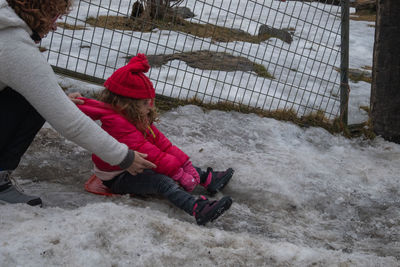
(188, 168)
(187, 181)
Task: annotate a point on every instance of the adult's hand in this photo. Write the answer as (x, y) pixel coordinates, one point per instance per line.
(74, 96)
(140, 163)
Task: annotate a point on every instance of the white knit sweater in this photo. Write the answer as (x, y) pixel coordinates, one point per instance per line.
(24, 69)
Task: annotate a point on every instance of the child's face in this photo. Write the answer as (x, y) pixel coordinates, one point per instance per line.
(145, 105)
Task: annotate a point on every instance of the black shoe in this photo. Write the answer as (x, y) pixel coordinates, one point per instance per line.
(216, 180)
(207, 211)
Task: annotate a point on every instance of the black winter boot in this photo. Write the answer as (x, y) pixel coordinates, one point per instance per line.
(207, 211)
(215, 181)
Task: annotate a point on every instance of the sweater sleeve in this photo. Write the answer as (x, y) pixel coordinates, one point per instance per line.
(29, 74)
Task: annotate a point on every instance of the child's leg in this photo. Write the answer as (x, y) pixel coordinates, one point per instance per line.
(214, 181)
(151, 183)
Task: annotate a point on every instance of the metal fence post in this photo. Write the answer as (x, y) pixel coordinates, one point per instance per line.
(344, 64)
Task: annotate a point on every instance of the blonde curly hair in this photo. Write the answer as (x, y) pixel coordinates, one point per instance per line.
(129, 108)
(38, 14)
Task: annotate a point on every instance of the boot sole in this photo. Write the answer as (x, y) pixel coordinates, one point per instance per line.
(222, 182)
(35, 203)
(223, 205)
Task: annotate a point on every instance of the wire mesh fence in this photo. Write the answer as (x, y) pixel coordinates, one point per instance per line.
(270, 54)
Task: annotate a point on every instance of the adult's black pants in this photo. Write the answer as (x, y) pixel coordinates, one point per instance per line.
(19, 124)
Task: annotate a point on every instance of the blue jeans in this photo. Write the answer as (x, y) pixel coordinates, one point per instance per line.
(152, 183)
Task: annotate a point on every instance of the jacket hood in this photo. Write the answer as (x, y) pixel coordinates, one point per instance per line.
(8, 18)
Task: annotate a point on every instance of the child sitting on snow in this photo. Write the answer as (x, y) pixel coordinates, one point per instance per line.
(127, 112)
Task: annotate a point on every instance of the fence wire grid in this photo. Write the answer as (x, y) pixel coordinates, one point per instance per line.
(265, 54)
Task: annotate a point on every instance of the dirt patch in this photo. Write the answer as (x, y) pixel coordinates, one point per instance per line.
(356, 75)
(208, 60)
(365, 17)
(367, 68)
(216, 33)
(70, 26)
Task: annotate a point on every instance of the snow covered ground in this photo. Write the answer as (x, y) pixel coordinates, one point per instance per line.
(302, 197)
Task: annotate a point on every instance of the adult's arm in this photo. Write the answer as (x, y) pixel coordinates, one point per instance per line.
(26, 71)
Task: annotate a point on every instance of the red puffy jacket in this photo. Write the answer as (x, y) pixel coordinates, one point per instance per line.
(158, 148)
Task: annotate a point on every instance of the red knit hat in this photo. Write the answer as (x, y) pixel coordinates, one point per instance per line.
(130, 81)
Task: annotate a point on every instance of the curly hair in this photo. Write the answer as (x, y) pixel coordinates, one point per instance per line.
(38, 14)
(129, 108)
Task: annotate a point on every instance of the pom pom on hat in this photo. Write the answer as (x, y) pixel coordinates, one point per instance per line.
(130, 80)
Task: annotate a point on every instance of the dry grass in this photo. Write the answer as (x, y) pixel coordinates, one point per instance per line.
(211, 60)
(362, 77)
(262, 71)
(371, 18)
(216, 33)
(365, 108)
(356, 77)
(69, 26)
(364, 129)
(364, 16)
(316, 119)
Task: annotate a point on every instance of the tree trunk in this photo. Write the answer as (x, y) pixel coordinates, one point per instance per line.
(385, 92)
